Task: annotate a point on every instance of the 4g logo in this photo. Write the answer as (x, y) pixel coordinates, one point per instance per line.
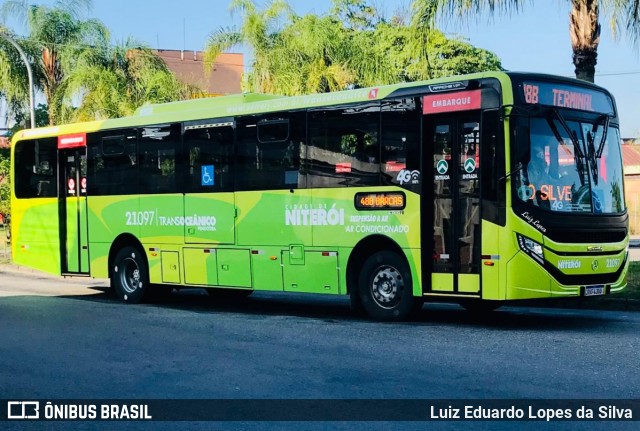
(407, 176)
(23, 410)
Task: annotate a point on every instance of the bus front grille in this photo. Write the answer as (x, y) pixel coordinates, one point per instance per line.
(587, 236)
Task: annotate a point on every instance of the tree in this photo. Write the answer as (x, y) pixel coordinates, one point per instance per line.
(584, 22)
(5, 186)
(313, 54)
(57, 37)
(20, 115)
(14, 88)
(259, 31)
(119, 81)
(81, 75)
(408, 59)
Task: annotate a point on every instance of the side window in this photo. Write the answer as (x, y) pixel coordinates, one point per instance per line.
(344, 147)
(113, 163)
(268, 150)
(400, 156)
(35, 164)
(209, 150)
(469, 160)
(157, 147)
(493, 168)
(273, 131)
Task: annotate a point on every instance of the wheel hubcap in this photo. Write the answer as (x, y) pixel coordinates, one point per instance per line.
(130, 275)
(387, 286)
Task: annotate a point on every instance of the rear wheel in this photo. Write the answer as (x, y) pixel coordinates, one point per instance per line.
(130, 275)
(385, 287)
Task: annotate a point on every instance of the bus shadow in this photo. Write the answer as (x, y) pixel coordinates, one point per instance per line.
(332, 309)
(517, 318)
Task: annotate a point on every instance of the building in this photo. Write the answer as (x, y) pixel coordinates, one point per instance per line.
(188, 66)
(631, 161)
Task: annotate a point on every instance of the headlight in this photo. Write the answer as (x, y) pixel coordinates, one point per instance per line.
(532, 248)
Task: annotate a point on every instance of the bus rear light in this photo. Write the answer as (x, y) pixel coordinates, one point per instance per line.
(489, 263)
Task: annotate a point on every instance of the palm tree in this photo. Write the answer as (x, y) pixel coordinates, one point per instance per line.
(584, 30)
(260, 32)
(124, 78)
(312, 54)
(584, 25)
(80, 75)
(14, 88)
(56, 38)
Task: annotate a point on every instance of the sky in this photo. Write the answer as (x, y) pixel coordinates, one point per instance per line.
(534, 40)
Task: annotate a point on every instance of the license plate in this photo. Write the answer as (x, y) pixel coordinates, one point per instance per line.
(594, 290)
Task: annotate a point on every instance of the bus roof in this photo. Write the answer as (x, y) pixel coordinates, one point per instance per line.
(251, 103)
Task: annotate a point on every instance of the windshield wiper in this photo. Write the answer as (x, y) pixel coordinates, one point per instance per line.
(572, 136)
(593, 163)
(595, 155)
(604, 136)
(519, 167)
(578, 154)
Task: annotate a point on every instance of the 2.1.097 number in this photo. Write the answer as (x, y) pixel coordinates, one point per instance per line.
(140, 218)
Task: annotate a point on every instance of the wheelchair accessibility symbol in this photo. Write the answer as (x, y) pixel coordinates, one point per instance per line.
(207, 175)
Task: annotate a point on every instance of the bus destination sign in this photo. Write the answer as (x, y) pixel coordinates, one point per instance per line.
(380, 201)
(566, 96)
(77, 140)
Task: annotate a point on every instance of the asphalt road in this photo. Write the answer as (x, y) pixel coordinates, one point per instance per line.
(63, 339)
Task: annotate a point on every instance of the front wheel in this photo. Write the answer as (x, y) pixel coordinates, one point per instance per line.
(385, 287)
(130, 275)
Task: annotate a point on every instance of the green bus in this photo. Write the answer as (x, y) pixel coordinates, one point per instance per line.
(475, 189)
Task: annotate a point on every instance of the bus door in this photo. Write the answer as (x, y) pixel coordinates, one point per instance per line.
(209, 205)
(452, 149)
(74, 238)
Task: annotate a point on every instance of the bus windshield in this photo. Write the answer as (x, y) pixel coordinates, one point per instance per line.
(574, 166)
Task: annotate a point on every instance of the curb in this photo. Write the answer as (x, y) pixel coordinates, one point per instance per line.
(9, 268)
(17, 269)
